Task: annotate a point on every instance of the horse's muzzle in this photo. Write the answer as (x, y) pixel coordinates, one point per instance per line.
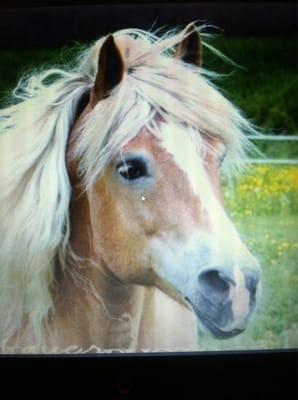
(225, 298)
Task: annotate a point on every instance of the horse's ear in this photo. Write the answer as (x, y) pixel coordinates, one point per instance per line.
(189, 49)
(109, 72)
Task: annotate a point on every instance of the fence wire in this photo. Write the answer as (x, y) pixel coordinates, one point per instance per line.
(274, 138)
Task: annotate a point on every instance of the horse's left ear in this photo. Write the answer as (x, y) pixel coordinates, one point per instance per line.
(189, 49)
(109, 72)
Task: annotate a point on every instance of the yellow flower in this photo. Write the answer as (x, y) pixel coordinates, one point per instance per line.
(265, 189)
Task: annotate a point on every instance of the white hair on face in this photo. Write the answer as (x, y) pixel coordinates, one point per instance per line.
(186, 148)
(34, 184)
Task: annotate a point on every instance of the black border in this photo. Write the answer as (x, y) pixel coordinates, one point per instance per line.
(66, 3)
(225, 375)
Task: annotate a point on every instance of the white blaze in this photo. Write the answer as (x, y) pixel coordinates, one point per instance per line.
(184, 144)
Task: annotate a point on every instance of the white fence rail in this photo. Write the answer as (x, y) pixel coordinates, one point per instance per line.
(274, 138)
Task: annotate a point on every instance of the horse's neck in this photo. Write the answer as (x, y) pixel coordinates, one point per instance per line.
(90, 310)
(121, 318)
(165, 324)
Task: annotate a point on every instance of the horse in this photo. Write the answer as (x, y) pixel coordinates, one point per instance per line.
(114, 235)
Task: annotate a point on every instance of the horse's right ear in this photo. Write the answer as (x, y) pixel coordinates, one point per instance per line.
(190, 49)
(109, 72)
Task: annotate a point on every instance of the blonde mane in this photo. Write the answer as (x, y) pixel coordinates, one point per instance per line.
(35, 190)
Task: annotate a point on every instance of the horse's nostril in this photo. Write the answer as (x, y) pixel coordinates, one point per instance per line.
(227, 277)
(214, 283)
(252, 278)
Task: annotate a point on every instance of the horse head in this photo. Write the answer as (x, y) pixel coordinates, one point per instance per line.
(151, 177)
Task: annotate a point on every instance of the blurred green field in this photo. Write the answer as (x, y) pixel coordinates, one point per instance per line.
(264, 207)
(267, 89)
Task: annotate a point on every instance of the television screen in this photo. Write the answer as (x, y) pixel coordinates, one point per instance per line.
(149, 178)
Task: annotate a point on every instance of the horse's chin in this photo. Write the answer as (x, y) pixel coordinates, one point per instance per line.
(216, 319)
(217, 332)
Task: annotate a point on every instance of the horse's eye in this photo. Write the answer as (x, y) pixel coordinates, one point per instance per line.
(132, 169)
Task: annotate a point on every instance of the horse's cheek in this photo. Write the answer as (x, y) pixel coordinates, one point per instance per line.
(118, 236)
